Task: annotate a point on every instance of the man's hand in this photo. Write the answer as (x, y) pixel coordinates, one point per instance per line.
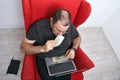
(70, 54)
(49, 45)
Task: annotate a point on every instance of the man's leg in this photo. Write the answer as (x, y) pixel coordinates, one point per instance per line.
(42, 70)
(64, 77)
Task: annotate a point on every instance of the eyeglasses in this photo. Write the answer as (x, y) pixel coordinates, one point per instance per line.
(59, 31)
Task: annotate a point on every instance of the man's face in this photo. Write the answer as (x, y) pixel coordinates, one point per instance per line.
(59, 29)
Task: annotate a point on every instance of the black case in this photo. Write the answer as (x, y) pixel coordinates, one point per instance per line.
(13, 67)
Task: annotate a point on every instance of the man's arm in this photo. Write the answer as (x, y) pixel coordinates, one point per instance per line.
(71, 52)
(28, 47)
(76, 42)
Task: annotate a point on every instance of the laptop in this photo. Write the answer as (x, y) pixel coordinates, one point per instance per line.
(58, 66)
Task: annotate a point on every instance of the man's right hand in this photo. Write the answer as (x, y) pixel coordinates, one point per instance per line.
(49, 45)
(28, 47)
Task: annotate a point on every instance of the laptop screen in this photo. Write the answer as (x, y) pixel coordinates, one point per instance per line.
(61, 68)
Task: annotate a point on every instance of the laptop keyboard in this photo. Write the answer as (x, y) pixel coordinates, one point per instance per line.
(60, 67)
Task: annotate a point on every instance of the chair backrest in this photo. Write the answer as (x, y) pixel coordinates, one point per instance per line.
(38, 9)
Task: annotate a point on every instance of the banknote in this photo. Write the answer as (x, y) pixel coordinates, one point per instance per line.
(59, 59)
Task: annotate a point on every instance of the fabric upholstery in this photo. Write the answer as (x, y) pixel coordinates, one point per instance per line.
(34, 10)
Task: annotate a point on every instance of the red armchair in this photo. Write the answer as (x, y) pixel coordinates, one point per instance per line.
(38, 9)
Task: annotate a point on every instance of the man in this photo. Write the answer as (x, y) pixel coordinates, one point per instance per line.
(40, 41)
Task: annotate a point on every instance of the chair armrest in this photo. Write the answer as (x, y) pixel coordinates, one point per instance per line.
(83, 13)
(28, 70)
(82, 61)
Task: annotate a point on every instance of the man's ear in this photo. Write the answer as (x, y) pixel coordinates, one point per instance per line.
(51, 19)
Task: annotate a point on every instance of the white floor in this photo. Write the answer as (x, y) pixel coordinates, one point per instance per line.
(97, 47)
(94, 43)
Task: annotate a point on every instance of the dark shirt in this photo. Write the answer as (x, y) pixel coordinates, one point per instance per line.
(41, 32)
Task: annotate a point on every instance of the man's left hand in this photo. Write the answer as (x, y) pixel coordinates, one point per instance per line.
(70, 54)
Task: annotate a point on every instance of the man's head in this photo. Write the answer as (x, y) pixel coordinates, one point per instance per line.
(60, 21)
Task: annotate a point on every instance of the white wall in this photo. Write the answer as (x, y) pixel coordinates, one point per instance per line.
(101, 11)
(11, 14)
(112, 31)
